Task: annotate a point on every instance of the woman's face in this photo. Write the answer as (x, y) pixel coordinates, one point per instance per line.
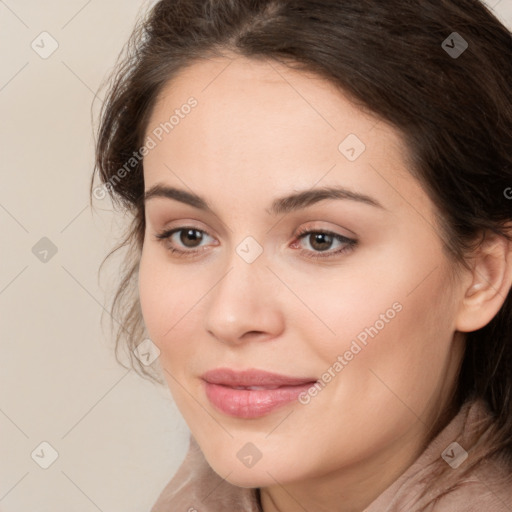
(371, 321)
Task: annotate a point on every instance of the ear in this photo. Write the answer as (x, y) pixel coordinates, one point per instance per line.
(487, 285)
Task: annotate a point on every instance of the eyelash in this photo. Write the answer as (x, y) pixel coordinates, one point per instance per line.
(350, 243)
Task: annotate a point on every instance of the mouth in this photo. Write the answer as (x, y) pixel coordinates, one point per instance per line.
(252, 393)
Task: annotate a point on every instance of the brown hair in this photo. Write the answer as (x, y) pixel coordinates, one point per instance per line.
(454, 112)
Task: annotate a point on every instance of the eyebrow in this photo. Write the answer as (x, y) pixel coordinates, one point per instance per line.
(286, 204)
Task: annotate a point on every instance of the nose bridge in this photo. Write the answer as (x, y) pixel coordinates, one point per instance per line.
(240, 301)
(246, 271)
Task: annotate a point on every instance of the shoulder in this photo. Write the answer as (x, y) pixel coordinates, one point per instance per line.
(478, 493)
(447, 478)
(487, 486)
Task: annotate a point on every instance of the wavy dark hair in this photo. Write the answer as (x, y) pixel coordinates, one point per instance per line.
(454, 112)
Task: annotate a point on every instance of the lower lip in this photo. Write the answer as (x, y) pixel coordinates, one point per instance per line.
(247, 403)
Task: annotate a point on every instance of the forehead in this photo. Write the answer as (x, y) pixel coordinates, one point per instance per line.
(261, 124)
(261, 92)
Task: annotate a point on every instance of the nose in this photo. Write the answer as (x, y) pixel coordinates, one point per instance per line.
(244, 304)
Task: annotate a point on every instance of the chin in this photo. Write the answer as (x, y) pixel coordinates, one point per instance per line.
(263, 473)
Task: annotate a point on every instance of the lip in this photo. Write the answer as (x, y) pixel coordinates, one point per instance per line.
(252, 393)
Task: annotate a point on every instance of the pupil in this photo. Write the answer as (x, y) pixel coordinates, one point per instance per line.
(321, 238)
(190, 235)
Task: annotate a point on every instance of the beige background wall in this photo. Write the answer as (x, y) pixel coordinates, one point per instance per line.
(118, 437)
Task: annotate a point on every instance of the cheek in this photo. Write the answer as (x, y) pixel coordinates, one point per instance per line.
(391, 377)
(404, 360)
(424, 339)
(393, 317)
(359, 300)
(165, 296)
(150, 294)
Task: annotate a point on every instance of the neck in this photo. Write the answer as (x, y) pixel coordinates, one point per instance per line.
(355, 486)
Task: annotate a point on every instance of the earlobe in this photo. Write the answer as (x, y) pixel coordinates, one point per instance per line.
(489, 284)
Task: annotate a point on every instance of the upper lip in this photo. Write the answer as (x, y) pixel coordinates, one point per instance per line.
(253, 377)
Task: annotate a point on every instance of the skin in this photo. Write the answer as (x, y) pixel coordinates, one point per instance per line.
(260, 131)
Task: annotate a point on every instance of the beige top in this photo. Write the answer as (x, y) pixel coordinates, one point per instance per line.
(197, 488)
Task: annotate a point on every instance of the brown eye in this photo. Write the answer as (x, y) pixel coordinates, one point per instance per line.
(189, 237)
(184, 241)
(324, 244)
(321, 241)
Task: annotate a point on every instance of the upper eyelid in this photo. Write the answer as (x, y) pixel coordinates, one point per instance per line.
(224, 229)
(166, 234)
